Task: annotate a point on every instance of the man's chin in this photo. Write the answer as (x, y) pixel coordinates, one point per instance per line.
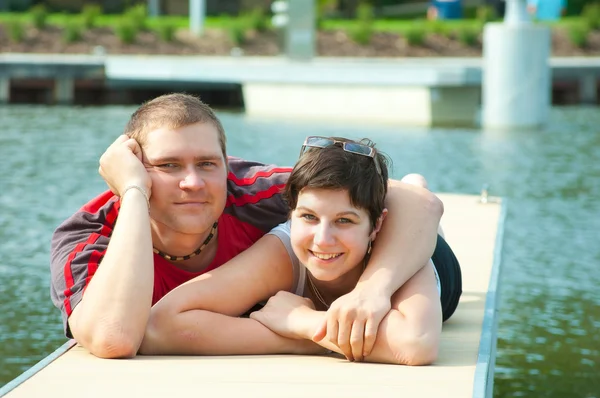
(201, 227)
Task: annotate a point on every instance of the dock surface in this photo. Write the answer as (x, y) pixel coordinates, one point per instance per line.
(464, 367)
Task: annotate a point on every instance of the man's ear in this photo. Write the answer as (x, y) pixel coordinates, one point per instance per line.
(379, 223)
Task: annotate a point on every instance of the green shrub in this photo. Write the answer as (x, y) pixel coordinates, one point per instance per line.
(578, 34)
(166, 31)
(90, 14)
(257, 20)
(485, 14)
(468, 35)
(363, 30)
(126, 30)
(237, 32)
(437, 27)
(415, 35)
(361, 34)
(16, 30)
(322, 8)
(72, 31)
(39, 16)
(138, 15)
(591, 14)
(364, 12)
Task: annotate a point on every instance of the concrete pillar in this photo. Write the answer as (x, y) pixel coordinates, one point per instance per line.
(197, 14)
(64, 90)
(4, 90)
(297, 18)
(588, 89)
(455, 106)
(300, 31)
(517, 79)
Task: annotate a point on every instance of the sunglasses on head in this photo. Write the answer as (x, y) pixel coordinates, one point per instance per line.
(352, 147)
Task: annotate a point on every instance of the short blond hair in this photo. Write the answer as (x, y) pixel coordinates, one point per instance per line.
(172, 111)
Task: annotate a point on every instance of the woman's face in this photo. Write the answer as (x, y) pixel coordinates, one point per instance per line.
(329, 235)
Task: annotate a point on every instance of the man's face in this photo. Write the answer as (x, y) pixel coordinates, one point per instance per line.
(189, 178)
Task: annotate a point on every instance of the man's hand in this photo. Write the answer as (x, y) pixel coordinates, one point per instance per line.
(289, 316)
(353, 320)
(121, 166)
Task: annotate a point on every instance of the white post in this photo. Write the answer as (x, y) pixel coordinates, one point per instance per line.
(4, 90)
(197, 14)
(297, 17)
(516, 77)
(587, 89)
(64, 90)
(154, 8)
(300, 32)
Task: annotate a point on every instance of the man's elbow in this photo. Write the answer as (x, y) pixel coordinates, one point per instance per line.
(110, 344)
(434, 205)
(111, 349)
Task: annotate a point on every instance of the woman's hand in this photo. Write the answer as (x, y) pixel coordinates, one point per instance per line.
(289, 316)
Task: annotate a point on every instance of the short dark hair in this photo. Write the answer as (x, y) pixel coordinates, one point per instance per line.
(172, 111)
(336, 169)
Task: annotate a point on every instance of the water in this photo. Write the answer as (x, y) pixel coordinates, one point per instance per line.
(548, 343)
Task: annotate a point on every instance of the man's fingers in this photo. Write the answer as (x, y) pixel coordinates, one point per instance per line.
(343, 340)
(120, 139)
(332, 329)
(356, 340)
(370, 336)
(321, 332)
(134, 147)
(256, 315)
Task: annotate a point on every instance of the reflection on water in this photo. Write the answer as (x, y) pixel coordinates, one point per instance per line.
(550, 302)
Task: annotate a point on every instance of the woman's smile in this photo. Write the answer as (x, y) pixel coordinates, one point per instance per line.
(325, 256)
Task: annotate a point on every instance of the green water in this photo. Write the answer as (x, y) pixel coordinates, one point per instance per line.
(548, 342)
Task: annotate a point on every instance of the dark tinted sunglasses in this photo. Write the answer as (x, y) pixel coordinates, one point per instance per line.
(352, 147)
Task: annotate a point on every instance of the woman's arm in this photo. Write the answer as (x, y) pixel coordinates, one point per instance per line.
(199, 332)
(198, 317)
(408, 335)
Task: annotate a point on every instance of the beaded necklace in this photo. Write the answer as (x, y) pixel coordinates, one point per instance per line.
(198, 251)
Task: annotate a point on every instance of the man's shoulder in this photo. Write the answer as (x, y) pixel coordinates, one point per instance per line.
(243, 172)
(101, 202)
(254, 193)
(249, 181)
(100, 211)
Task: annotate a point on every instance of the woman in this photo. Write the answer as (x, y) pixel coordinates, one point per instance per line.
(336, 193)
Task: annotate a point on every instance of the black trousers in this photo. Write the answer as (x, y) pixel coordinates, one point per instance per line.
(448, 270)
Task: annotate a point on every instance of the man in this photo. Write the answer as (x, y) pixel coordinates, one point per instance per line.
(547, 10)
(184, 209)
(444, 10)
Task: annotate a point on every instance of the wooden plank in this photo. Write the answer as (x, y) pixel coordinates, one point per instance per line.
(467, 351)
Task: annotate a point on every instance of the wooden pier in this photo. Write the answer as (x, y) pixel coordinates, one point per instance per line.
(465, 367)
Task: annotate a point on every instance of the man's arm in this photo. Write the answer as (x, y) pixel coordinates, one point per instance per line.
(111, 318)
(405, 243)
(407, 238)
(200, 316)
